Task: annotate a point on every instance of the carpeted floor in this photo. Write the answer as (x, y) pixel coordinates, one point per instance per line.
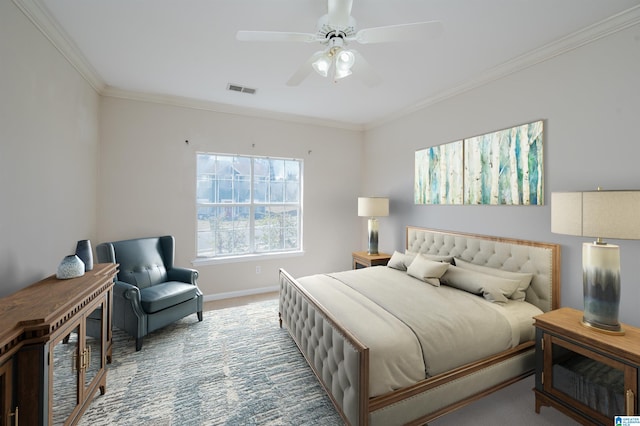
(237, 367)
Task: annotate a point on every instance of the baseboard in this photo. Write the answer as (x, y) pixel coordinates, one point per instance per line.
(232, 294)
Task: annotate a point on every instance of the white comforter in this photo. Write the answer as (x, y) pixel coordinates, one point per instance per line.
(413, 329)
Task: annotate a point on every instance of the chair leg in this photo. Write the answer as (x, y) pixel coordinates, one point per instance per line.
(138, 343)
(200, 316)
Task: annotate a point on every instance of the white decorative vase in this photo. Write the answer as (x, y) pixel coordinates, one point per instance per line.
(70, 267)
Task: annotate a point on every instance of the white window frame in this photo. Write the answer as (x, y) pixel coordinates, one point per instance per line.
(253, 253)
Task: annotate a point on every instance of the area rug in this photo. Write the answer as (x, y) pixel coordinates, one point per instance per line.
(237, 367)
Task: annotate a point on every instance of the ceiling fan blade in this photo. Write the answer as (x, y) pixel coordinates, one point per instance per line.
(304, 70)
(275, 36)
(363, 71)
(404, 32)
(339, 12)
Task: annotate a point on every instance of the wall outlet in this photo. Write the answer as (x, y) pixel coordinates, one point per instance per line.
(258, 269)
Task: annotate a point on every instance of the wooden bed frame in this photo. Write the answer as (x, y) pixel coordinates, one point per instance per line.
(341, 362)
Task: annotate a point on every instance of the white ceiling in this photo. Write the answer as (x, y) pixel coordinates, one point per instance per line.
(185, 51)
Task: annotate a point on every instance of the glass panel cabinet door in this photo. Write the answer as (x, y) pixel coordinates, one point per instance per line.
(93, 345)
(601, 386)
(7, 411)
(65, 375)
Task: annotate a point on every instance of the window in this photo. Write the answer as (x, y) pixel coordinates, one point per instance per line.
(248, 205)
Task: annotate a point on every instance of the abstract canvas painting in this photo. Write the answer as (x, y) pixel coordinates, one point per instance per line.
(501, 168)
(438, 177)
(505, 167)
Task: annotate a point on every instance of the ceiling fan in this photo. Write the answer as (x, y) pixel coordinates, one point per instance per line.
(335, 31)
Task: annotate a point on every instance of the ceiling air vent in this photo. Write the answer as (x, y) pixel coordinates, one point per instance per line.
(242, 89)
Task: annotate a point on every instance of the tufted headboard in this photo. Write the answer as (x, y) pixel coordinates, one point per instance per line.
(540, 259)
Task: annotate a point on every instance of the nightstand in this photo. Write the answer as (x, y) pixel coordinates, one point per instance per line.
(589, 375)
(361, 259)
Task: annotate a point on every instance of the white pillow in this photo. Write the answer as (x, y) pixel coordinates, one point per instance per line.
(400, 261)
(524, 278)
(427, 270)
(435, 257)
(492, 288)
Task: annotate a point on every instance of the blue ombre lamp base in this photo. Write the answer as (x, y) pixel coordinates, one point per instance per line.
(601, 281)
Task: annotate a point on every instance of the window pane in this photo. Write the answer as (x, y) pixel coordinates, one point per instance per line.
(224, 168)
(204, 189)
(292, 192)
(232, 236)
(206, 164)
(224, 190)
(260, 180)
(276, 169)
(242, 180)
(276, 192)
(292, 171)
(268, 230)
(260, 191)
(291, 240)
(223, 178)
(205, 233)
(276, 175)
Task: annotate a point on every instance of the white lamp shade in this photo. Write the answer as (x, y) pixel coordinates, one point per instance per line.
(599, 214)
(373, 206)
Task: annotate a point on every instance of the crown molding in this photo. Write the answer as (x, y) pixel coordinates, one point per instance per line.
(597, 31)
(225, 108)
(40, 16)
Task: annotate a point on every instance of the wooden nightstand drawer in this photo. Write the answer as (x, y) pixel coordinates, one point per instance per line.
(361, 259)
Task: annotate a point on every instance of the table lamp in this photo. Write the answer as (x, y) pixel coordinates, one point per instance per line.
(599, 214)
(373, 207)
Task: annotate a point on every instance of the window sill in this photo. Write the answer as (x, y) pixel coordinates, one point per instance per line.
(204, 261)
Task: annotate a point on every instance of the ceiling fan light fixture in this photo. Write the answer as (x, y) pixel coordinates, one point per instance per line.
(322, 65)
(341, 74)
(344, 61)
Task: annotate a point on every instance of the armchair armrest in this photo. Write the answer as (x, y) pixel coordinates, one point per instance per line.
(185, 275)
(128, 314)
(131, 293)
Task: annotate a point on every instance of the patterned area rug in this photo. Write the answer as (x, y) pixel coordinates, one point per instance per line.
(237, 367)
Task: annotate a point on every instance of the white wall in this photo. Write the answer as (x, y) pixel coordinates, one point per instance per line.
(147, 184)
(590, 101)
(48, 154)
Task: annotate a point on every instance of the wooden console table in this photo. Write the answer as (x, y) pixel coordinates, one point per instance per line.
(55, 341)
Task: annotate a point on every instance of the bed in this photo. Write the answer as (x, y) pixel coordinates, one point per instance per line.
(364, 332)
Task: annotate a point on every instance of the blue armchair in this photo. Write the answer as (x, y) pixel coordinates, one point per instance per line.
(149, 291)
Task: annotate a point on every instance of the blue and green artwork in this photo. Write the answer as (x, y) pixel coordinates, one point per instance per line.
(438, 177)
(500, 168)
